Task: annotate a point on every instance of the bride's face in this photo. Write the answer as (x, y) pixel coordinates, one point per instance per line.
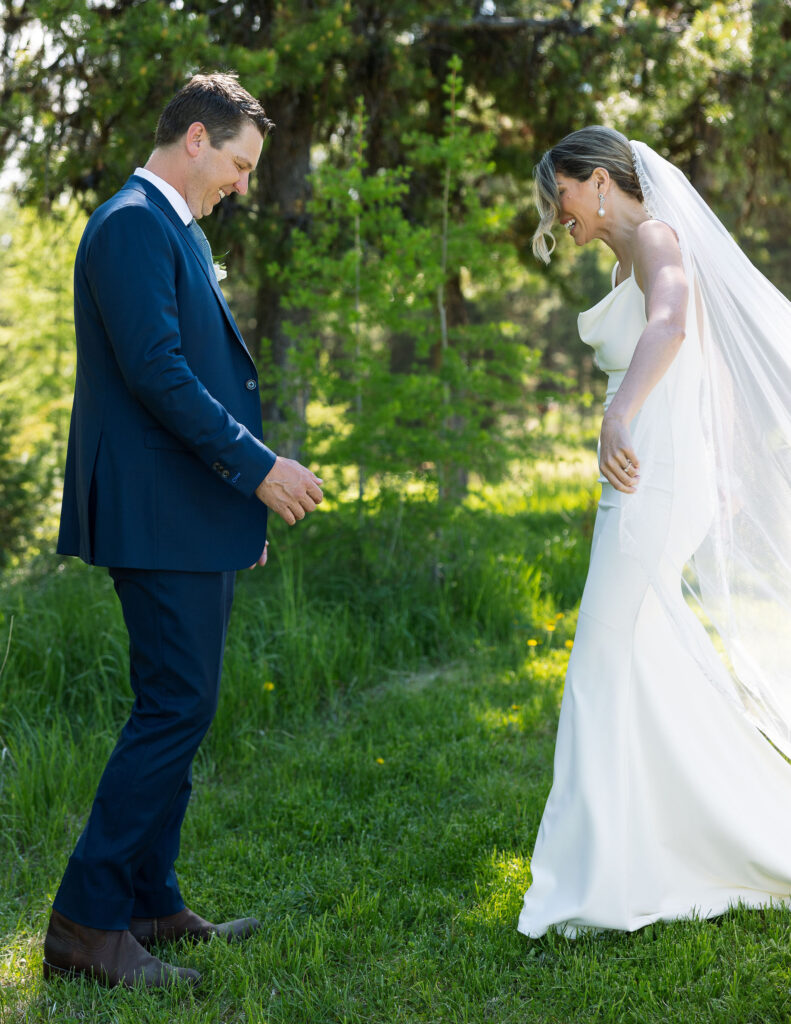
(579, 204)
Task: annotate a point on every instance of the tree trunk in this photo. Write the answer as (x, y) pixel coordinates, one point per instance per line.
(455, 476)
(283, 190)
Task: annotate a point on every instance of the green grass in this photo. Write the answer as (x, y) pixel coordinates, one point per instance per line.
(376, 809)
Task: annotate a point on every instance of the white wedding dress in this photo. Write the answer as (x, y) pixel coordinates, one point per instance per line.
(666, 801)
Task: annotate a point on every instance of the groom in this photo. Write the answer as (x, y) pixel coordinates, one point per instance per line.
(167, 484)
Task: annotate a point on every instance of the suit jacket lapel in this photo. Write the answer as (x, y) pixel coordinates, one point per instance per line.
(159, 200)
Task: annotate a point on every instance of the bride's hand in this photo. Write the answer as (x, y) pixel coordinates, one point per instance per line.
(617, 458)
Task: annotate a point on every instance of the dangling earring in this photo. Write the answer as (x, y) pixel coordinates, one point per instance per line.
(600, 211)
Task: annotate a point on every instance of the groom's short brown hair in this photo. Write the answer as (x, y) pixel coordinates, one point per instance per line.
(219, 102)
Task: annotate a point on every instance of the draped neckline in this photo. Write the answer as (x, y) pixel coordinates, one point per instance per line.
(610, 295)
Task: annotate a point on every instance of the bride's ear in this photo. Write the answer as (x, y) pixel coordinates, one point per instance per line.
(600, 178)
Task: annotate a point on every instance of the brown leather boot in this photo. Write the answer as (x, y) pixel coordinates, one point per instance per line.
(187, 925)
(112, 958)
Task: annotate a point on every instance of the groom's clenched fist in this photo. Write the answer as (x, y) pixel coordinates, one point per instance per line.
(290, 489)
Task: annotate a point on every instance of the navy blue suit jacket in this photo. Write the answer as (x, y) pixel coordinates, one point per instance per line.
(165, 448)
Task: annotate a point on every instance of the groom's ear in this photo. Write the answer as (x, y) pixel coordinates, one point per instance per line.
(195, 137)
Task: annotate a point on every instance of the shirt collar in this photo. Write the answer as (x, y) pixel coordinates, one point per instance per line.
(176, 200)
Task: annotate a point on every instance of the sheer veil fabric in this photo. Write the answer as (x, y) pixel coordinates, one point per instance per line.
(731, 487)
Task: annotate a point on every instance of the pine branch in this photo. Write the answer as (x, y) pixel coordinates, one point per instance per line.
(510, 26)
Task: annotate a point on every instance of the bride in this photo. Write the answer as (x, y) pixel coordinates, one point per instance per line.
(668, 799)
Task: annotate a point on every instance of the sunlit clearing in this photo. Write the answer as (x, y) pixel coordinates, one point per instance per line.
(504, 881)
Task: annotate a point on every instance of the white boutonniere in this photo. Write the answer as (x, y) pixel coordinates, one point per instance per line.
(220, 272)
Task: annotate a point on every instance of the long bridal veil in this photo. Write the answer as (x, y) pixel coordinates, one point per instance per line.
(730, 408)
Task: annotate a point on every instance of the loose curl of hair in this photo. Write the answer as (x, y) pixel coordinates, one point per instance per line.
(577, 156)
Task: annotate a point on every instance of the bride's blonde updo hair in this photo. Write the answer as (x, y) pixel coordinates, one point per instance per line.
(578, 156)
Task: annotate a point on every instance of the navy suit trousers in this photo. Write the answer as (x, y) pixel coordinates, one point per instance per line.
(123, 864)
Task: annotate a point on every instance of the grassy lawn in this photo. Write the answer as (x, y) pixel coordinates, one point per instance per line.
(382, 834)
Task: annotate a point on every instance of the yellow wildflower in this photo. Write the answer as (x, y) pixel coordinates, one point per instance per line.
(532, 643)
(269, 686)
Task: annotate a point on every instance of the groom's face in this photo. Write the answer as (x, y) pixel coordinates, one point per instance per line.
(219, 172)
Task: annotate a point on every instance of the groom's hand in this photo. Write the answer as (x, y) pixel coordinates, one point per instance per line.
(290, 489)
(264, 555)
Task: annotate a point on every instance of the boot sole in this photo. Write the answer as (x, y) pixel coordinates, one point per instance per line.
(55, 973)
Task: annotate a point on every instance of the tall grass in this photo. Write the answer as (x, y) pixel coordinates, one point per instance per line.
(371, 787)
(339, 606)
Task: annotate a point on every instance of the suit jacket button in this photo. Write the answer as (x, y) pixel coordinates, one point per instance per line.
(216, 466)
(226, 473)
(250, 384)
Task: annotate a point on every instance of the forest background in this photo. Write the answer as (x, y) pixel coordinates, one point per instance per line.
(392, 678)
(380, 268)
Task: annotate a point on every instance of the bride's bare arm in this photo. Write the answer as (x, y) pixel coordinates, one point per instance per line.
(660, 274)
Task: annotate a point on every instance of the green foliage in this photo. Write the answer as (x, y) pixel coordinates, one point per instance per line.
(366, 274)
(362, 216)
(24, 488)
(64, 76)
(36, 370)
(353, 281)
(663, 70)
(37, 318)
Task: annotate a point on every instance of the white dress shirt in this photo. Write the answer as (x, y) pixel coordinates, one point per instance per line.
(176, 200)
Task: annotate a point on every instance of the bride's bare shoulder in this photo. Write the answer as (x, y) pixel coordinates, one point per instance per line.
(657, 253)
(656, 233)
